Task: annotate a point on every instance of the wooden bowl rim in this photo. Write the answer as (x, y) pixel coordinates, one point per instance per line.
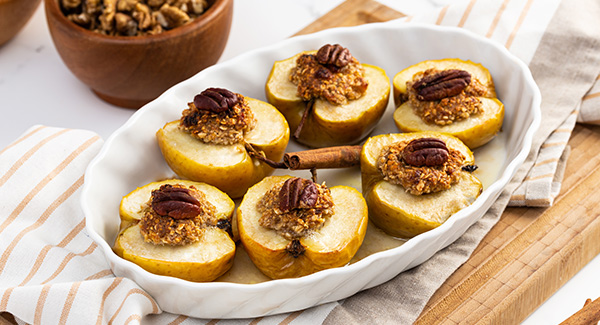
(3, 2)
(215, 10)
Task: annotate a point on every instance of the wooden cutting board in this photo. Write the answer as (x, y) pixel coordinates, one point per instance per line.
(531, 252)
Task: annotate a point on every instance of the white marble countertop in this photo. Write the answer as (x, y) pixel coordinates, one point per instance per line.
(37, 88)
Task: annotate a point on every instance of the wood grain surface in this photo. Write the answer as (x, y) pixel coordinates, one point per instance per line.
(531, 252)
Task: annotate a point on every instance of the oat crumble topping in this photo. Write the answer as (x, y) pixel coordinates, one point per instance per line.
(336, 85)
(297, 222)
(165, 230)
(228, 127)
(419, 180)
(450, 109)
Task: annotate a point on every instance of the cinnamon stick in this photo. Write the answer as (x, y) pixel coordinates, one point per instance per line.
(307, 110)
(333, 157)
(254, 153)
(589, 314)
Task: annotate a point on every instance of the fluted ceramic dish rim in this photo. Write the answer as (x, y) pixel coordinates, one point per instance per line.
(111, 173)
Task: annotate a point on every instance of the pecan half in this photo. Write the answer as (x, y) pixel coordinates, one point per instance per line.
(297, 193)
(443, 84)
(425, 152)
(175, 202)
(335, 55)
(216, 100)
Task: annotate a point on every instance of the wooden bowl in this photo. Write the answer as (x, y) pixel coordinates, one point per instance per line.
(129, 71)
(14, 14)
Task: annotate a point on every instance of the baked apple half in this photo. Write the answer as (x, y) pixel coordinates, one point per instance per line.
(413, 182)
(327, 96)
(216, 137)
(293, 227)
(177, 228)
(450, 96)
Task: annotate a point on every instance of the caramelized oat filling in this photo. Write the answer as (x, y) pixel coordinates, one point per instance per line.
(295, 208)
(176, 215)
(329, 81)
(419, 180)
(450, 109)
(224, 127)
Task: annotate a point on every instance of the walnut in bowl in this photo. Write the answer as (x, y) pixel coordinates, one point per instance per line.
(130, 71)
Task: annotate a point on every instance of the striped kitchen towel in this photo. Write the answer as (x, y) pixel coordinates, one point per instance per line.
(51, 272)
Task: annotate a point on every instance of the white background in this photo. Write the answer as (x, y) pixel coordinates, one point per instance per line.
(37, 88)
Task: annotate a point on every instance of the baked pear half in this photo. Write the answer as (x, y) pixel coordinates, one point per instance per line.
(408, 189)
(477, 71)
(152, 219)
(327, 123)
(281, 253)
(449, 96)
(229, 166)
(474, 131)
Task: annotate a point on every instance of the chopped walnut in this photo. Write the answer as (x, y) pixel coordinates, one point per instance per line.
(125, 25)
(126, 5)
(197, 6)
(107, 17)
(174, 16)
(295, 222)
(93, 7)
(335, 84)
(158, 228)
(81, 19)
(450, 109)
(225, 127)
(419, 180)
(71, 4)
(143, 16)
(132, 17)
(155, 3)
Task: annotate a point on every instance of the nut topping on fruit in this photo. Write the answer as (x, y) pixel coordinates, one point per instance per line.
(421, 166)
(297, 193)
(175, 202)
(216, 100)
(176, 215)
(332, 74)
(425, 152)
(446, 83)
(336, 55)
(444, 96)
(218, 116)
(296, 207)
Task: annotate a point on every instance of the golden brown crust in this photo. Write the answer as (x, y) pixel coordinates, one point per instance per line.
(419, 180)
(450, 109)
(336, 85)
(297, 222)
(227, 127)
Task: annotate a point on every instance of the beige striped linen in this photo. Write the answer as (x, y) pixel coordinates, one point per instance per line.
(590, 112)
(52, 273)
